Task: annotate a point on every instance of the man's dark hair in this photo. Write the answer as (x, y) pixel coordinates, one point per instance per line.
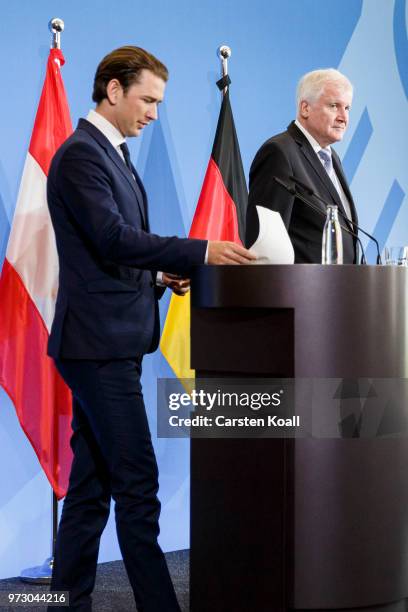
(125, 65)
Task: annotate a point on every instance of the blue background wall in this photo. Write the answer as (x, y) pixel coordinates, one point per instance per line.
(273, 44)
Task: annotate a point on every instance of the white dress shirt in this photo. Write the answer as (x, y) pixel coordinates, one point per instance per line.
(108, 130)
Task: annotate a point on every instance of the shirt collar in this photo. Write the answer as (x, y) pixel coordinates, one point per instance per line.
(106, 127)
(313, 142)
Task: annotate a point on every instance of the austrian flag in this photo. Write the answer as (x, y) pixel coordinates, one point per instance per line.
(28, 289)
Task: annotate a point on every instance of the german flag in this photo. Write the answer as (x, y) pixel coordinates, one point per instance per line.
(220, 215)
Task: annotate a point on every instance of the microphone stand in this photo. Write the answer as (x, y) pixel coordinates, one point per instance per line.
(312, 192)
(295, 192)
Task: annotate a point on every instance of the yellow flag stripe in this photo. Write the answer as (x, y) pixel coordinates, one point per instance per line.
(175, 340)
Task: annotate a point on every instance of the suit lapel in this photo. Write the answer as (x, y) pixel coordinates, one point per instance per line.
(135, 184)
(314, 161)
(114, 156)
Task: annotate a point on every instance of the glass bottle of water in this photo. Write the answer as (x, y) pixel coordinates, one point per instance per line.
(332, 245)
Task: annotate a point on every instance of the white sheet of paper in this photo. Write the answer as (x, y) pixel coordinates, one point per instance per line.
(273, 245)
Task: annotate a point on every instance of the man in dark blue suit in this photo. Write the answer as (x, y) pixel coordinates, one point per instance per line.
(106, 319)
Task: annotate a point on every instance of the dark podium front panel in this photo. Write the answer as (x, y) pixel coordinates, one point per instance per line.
(305, 524)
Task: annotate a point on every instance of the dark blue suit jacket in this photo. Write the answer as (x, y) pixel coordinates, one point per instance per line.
(107, 300)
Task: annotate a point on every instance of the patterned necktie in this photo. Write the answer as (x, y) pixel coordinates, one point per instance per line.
(326, 158)
(126, 155)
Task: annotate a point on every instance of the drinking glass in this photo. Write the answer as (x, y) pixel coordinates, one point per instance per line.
(396, 256)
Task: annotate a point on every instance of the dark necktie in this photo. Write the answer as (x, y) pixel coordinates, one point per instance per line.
(126, 155)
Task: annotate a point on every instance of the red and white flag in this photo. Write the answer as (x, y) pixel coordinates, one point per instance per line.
(28, 289)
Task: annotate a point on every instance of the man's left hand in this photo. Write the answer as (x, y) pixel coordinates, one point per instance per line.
(179, 286)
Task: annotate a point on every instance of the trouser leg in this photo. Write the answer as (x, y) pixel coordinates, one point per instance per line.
(111, 398)
(84, 516)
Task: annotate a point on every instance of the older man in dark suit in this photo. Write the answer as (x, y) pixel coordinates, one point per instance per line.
(106, 319)
(304, 151)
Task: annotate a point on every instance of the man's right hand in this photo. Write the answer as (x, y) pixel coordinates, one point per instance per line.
(226, 253)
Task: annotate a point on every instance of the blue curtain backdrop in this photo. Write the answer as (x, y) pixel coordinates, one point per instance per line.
(273, 43)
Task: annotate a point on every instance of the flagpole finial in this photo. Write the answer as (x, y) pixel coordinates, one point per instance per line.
(56, 26)
(225, 53)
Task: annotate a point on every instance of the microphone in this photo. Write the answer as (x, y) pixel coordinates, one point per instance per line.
(312, 192)
(286, 186)
(293, 191)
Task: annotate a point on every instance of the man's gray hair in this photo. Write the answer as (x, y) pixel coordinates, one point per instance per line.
(312, 83)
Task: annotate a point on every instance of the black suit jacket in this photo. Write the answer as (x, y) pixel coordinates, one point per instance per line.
(107, 299)
(290, 153)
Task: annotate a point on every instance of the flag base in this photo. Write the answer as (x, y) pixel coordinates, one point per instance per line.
(40, 574)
